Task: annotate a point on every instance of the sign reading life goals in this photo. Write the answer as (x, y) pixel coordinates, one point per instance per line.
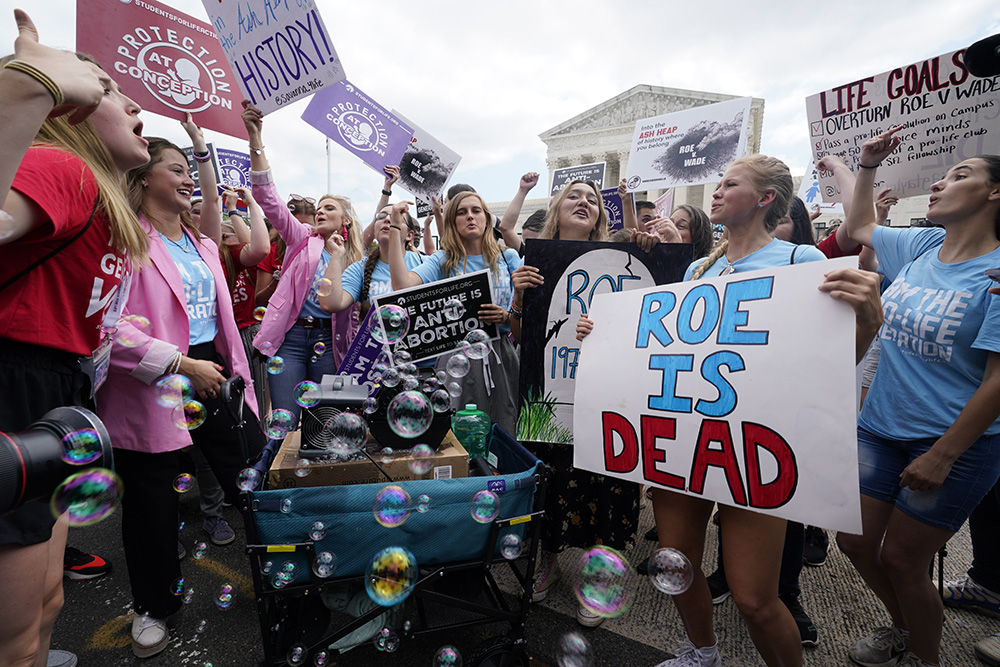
(279, 51)
(713, 388)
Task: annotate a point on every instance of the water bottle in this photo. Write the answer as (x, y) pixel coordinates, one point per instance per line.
(472, 428)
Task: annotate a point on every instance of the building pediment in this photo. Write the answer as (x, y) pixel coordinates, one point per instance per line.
(622, 111)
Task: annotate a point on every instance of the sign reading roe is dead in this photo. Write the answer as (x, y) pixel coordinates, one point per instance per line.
(713, 388)
(947, 114)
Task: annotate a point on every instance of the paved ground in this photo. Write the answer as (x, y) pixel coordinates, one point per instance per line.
(95, 622)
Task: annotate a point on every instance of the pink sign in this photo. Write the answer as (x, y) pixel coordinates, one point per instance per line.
(168, 62)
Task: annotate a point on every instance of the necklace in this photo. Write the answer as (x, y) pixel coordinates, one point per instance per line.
(731, 266)
(184, 244)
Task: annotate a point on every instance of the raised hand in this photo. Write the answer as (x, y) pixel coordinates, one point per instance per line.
(878, 148)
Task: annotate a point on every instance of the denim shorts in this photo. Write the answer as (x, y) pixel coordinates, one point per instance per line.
(881, 461)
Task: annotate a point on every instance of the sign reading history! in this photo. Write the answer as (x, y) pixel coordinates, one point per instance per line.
(947, 115)
(360, 124)
(279, 51)
(168, 62)
(689, 147)
(709, 388)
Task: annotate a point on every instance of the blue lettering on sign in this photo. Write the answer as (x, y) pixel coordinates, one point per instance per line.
(733, 318)
(707, 295)
(614, 282)
(655, 307)
(726, 402)
(671, 365)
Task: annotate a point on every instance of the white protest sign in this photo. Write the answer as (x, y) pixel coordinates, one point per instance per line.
(689, 147)
(713, 388)
(582, 172)
(279, 51)
(426, 167)
(812, 194)
(947, 116)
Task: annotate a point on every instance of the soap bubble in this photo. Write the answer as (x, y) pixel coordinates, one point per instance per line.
(477, 351)
(87, 497)
(477, 336)
(259, 312)
(670, 571)
(265, 568)
(391, 575)
(319, 348)
(278, 423)
(410, 383)
(267, 348)
(409, 414)
(395, 322)
(320, 659)
(453, 309)
(189, 416)
(224, 598)
(183, 483)
(317, 531)
(391, 377)
(285, 506)
(200, 550)
(324, 564)
(275, 365)
(462, 346)
(188, 596)
(135, 335)
(177, 587)
(344, 433)
(422, 459)
(402, 356)
(248, 479)
(485, 506)
(441, 400)
(458, 365)
(392, 506)
(423, 503)
(324, 287)
(174, 390)
(298, 653)
(454, 389)
(430, 385)
(387, 640)
(306, 394)
(370, 405)
(447, 656)
(574, 651)
(442, 376)
(606, 582)
(81, 447)
(200, 628)
(511, 546)
(386, 455)
(302, 468)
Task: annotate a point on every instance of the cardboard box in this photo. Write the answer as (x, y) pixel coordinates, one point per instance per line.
(450, 461)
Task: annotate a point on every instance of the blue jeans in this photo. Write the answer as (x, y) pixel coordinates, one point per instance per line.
(301, 364)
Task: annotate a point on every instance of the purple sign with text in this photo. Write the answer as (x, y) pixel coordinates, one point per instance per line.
(362, 354)
(234, 168)
(359, 124)
(613, 207)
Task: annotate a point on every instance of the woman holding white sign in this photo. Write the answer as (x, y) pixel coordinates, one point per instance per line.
(926, 464)
(750, 201)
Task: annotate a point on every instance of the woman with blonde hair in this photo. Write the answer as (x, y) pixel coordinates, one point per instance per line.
(295, 328)
(66, 234)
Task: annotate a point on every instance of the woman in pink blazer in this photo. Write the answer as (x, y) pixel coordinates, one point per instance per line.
(310, 342)
(183, 293)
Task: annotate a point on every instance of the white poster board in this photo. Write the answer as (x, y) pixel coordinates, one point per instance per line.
(948, 116)
(427, 165)
(812, 194)
(689, 147)
(279, 52)
(714, 388)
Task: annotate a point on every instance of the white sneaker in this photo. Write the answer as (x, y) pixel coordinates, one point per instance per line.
(546, 574)
(587, 618)
(884, 648)
(910, 660)
(689, 656)
(149, 635)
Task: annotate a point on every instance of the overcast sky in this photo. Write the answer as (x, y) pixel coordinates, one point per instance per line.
(486, 78)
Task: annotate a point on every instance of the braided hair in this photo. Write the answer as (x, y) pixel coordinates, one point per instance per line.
(366, 282)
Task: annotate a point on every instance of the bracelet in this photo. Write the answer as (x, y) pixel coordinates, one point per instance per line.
(516, 316)
(39, 76)
(257, 151)
(387, 193)
(399, 227)
(865, 166)
(515, 309)
(232, 213)
(201, 157)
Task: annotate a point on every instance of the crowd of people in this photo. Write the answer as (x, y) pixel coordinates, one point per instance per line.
(105, 255)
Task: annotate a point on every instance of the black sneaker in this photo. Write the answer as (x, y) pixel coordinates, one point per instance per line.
(807, 631)
(817, 543)
(652, 535)
(80, 566)
(718, 586)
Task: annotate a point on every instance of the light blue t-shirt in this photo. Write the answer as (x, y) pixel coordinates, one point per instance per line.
(310, 307)
(503, 289)
(354, 275)
(940, 323)
(774, 254)
(199, 289)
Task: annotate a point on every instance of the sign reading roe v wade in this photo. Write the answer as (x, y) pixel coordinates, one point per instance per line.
(947, 115)
(280, 51)
(168, 62)
(713, 388)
